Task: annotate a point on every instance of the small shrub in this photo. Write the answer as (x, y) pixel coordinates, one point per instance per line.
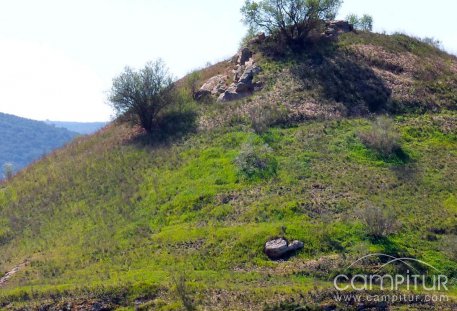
(8, 170)
(193, 83)
(256, 161)
(450, 246)
(263, 117)
(382, 137)
(183, 292)
(5, 231)
(379, 222)
(432, 42)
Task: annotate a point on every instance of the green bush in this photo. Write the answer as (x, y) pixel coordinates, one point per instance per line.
(183, 292)
(379, 222)
(382, 137)
(263, 117)
(256, 162)
(8, 170)
(193, 83)
(450, 246)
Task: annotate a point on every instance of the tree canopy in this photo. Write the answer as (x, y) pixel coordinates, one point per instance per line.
(364, 23)
(292, 19)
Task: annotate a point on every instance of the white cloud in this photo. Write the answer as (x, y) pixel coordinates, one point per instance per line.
(39, 82)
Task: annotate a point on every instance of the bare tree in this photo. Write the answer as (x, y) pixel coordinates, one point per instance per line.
(293, 19)
(142, 94)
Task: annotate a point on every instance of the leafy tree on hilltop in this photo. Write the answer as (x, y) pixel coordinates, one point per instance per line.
(141, 95)
(364, 23)
(292, 19)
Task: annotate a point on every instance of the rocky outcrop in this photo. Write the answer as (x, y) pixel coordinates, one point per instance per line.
(335, 28)
(243, 56)
(243, 77)
(258, 39)
(214, 86)
(245, 69)
(281, 248)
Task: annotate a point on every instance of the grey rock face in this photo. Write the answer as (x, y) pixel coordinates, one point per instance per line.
(249, 74)
(334, 28)
(280, 248)
(244, 55)
(242, 86)
(214, 86)
(258, 39)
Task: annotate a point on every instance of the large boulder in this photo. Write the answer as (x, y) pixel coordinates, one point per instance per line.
(214, 86)
(232, 94)
(242, 86)
(258, 39)
(249, 73)
(335, 28)
(238, 72)
(280, 248)
(244, 55)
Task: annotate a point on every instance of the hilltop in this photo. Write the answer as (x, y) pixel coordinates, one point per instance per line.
(118, 219)
(24, 141)
(357, 75)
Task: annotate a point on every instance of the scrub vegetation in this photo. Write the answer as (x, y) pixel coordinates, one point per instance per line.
(178, 218)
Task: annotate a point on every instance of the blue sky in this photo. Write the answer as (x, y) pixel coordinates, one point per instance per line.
(58, 57)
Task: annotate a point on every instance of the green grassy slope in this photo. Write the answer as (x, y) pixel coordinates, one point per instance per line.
(115, 212)
(112, 219)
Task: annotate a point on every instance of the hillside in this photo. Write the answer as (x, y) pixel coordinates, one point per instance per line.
(117, 219)
(24, 141)
(82, 128)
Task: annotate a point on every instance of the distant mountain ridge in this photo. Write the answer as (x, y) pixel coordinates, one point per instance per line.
(78, 127)
(23, 141)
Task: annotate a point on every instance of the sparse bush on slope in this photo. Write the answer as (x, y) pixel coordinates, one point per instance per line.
(256, 161)
(382, 137)
(8, 170)
(378, 222)
(450, 246)
(262, 117)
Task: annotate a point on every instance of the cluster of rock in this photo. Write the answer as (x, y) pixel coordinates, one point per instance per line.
(243, 76)
(335, 28)
(245, 69)
(213, 87)
(280, 248)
